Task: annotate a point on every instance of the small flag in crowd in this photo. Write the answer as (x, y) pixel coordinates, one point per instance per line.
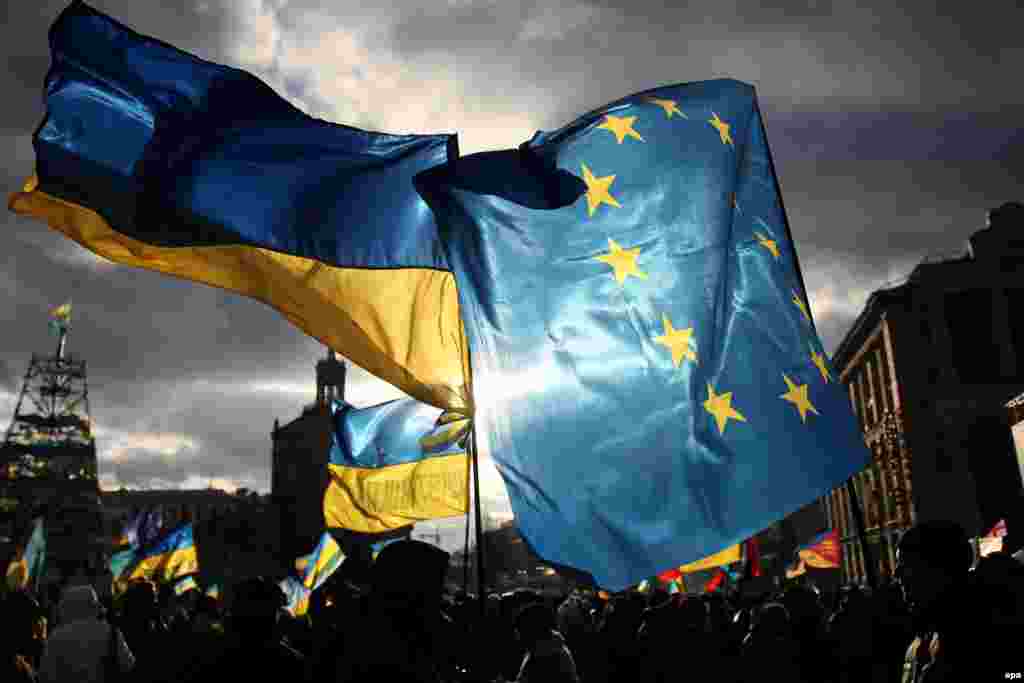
(992, 542)
(394, 464)
(314, 569)
(172, 556)
(822, 552)
(214, 591)
(60, 318)
(717, 581)
(322, 222)
(186, 584)
(27, 567)
(798, 568)
(645, 366)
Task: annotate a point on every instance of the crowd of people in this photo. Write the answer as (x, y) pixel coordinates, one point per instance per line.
(944, 618)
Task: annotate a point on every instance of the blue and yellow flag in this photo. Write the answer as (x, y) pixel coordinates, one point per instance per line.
(645, 366)
(60, 318)
(154, 158)
(185, 585)
(170, 558)
(28, 565)
(214, 591)
(315, 568)
(394, 464)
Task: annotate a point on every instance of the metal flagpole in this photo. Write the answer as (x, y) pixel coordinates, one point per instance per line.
(474, 454)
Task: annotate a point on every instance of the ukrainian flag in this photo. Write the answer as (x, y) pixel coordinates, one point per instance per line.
(171, 557)
(394, 464)
(153, 158)
(29, 563)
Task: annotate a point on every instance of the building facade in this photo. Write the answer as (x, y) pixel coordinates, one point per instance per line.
(299, 456)
(929, 366)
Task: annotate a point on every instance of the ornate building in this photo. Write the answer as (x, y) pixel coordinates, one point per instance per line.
(929, 366)
(299, 462)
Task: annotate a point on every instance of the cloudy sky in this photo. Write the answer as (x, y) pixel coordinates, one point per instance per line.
(892, 132)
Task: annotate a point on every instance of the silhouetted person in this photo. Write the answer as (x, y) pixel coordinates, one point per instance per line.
(83, 648)
(770, 646)
(950, 623)
(253, 646)
(547, 658)
(19, 646)
(400, 635)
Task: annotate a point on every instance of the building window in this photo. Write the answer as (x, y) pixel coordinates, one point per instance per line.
(969, 317)
(881, 381)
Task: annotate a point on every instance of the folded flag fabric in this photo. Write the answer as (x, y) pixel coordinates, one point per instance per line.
(822, 552)
(151, 157)
(214, 591)
(171, 557)
(121, 561)
(315, 568)
(394, 464)
(751, 558)
(645, 366)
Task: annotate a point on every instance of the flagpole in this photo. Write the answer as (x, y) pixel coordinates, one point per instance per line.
(474, 455)
(465, 553)
(854, 502)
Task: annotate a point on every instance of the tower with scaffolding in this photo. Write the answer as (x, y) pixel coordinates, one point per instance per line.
(48, 461)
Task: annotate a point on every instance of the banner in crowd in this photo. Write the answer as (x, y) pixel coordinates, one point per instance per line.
(797, 568)
(186, 584)
(393, 464)
(823, 552)
(154, 158)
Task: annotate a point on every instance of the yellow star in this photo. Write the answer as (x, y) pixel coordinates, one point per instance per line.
(597, 191)
(623, 261)
(677, 341)
(621, 127)
(669, 106)
(720, 405)
(768, 244)
(723, 129)
(801, 305)
(819, 362)
(797, 395)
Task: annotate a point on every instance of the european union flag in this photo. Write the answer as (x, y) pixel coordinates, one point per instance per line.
(394, 464)
(153, 158)
(645, 367)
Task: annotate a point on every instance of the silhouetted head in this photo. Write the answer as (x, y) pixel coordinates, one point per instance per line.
(932, 558)
(256, 605)
(407, 579)
(79, 602)
(140, 601)
(534, 622)
(771, 620)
